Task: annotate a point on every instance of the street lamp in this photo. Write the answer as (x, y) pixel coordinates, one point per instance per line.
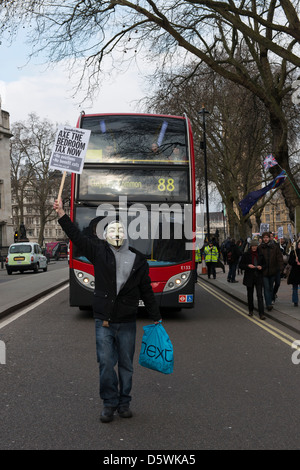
(203, 146)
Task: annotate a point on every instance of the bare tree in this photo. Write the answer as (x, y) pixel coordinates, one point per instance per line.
(32, 144)
(237, 137)
(20, 172)
(240, 40)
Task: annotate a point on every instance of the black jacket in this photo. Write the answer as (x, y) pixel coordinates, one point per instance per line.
(235, 254)
(273, 257)
(107, 304)
(251, 275)
(294, 276)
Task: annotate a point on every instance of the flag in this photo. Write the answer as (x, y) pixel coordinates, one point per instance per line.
(251, 198)
(269, 161)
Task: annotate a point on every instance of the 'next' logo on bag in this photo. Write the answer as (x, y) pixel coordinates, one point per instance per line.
(155, 352)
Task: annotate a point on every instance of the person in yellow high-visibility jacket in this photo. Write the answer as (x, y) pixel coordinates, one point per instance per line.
(211, 258)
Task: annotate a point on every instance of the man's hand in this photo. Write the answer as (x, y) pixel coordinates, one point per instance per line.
(58, 207)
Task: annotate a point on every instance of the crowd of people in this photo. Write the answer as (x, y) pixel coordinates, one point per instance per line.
(263, 262)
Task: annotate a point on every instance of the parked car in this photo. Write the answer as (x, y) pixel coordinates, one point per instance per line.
(25, 256)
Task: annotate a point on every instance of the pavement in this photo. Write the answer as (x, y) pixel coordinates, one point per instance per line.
(283, 312)
(30, 287)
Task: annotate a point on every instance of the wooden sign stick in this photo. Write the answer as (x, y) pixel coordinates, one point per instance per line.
(61, 185)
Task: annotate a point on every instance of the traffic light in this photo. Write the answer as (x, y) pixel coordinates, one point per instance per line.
(16, 236)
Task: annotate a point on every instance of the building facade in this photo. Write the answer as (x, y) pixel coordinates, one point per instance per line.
(6, 223)
(31, 216)
(275, 215)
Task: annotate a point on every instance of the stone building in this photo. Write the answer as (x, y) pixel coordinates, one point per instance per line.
(6, 226)
(31, 214)
(276, 214)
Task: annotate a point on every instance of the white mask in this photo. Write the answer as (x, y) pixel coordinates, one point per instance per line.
(114, 234)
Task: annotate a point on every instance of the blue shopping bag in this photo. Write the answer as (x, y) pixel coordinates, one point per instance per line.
(156, 350)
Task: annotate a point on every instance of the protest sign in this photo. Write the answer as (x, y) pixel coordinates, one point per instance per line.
(264, 228)
(280, 232)
(69, 151)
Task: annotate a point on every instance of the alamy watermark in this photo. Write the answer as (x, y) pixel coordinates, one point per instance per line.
(2, 352)
(296, 354)
(163, 221)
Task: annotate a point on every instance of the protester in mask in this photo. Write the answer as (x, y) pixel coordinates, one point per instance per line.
(121, 280)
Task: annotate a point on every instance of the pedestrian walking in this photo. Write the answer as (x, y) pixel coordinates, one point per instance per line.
(274, 264)
(211, 259)
(233, 255)
(121, 279)
(279, 271)
(253, 263)
(294, 276)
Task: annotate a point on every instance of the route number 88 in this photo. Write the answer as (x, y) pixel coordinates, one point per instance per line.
(163, 187)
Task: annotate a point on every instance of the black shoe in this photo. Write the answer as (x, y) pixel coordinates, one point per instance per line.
(270, 307)
(262, 317)
(295, 304)
(107, 414)
(125, 412)
(250, 314)
(234, 281)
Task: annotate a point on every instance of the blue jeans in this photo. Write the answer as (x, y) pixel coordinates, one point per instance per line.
(268, 289)
(115, 345)
(276, 284)
(231, 272)
(295, 294)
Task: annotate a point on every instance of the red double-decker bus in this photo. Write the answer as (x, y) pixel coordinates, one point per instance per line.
(139, 168)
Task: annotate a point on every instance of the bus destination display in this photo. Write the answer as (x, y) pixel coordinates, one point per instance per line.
(144, 184)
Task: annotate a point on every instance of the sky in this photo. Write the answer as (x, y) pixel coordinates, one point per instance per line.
(32, 87)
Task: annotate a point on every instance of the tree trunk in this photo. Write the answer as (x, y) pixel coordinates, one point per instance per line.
(42, 228)
(280, 149)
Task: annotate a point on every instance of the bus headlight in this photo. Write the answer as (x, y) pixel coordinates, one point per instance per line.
(177, 281)
(84, 279)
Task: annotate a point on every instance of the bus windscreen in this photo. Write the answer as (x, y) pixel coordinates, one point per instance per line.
(136, 139)
(165, 247)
